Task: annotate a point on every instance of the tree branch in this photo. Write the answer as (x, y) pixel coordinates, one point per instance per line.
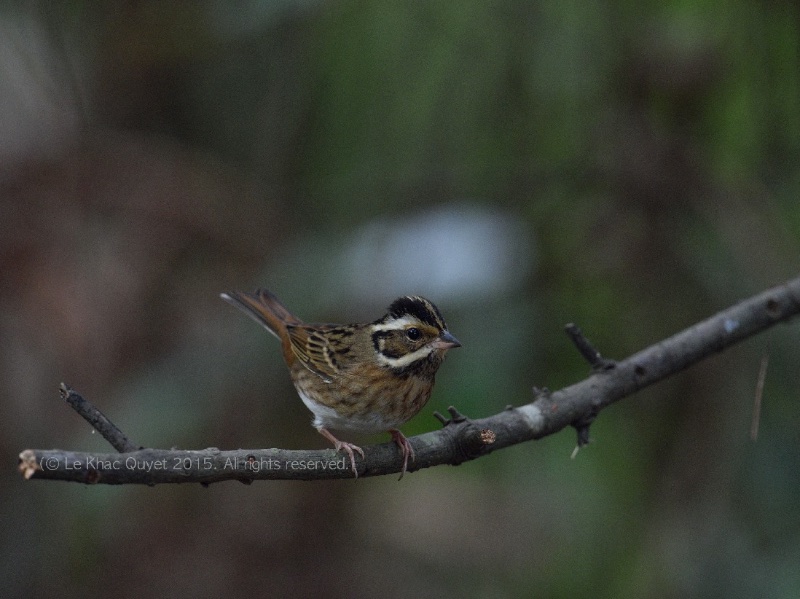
(98, 420)
(459, 440)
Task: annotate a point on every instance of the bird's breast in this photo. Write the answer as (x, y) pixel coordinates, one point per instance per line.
(370, 400)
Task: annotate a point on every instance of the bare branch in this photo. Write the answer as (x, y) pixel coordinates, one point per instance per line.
(461, 439)
(762, 375)
(98, 420)
(586, 349)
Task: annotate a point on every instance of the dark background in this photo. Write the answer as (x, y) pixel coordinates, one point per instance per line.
(629, 166)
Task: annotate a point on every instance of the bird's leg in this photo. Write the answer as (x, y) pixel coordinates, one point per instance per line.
(349, 448)
(405, 446)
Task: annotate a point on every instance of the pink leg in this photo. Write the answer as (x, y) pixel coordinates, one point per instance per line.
(349, 448)
(405, 447)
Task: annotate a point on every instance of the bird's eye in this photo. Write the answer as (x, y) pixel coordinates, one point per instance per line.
(413, 333)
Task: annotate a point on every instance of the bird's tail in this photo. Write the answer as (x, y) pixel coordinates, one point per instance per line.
(263, 307)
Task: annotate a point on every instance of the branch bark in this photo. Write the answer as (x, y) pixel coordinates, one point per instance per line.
(459, 440)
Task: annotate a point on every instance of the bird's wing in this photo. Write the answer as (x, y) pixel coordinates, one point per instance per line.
(323, 349)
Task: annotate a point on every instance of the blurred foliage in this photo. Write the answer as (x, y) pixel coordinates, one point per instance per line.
(157, 153)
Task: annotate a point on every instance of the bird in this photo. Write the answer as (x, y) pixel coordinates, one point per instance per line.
(363, 378)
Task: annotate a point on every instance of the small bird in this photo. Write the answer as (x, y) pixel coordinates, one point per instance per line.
(364, 378)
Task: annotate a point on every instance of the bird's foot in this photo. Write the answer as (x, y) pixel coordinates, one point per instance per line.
(405, 446)
(348, 448)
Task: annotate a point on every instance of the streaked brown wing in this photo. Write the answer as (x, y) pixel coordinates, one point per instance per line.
(320, 348)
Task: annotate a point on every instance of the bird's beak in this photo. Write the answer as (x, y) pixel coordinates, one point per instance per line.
(446, 341)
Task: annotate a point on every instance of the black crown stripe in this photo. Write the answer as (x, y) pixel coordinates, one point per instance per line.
(419, 307)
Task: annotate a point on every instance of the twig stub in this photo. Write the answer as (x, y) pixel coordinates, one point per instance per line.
(587, 350)
(97, 420)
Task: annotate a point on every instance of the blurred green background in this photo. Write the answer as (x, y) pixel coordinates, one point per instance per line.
(629, 166)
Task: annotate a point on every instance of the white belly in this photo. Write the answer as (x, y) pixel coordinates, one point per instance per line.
(325, 417)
